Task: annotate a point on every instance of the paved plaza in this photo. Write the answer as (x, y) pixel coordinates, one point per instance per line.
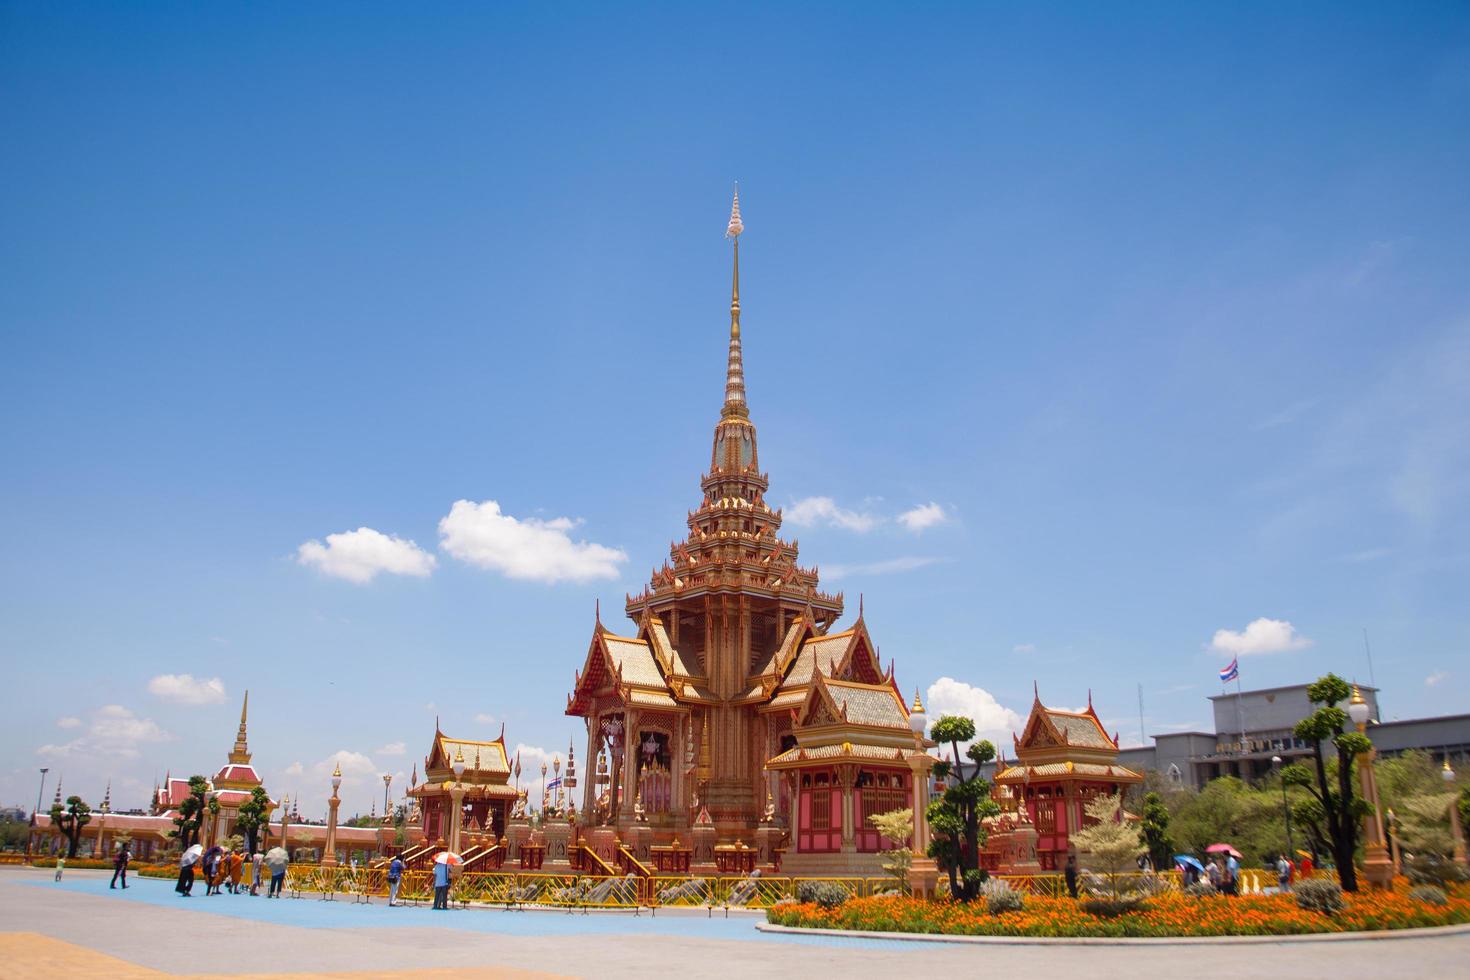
(79, 927)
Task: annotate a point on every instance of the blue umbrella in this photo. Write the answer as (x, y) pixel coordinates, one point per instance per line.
(1189, 862)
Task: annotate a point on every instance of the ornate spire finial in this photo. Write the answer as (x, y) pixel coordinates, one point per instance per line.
(918, 704)
(240, 755)
(337, 769)
(107, 798)
(735, 368)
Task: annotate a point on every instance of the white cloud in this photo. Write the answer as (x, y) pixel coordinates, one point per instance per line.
(187, 689)
(393, 748)
(485, 719)
(295, 769)
(1434, 678)
(358, 556)
(69, 722)
(1024, 648)
(1261, 636)
(113, 731)
(993, 720)
(922, 517)
(905, 564)
(353, 764)
(811, 511)
(532, 756)
(529, 548)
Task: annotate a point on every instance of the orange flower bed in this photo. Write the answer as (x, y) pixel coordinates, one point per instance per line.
(1165, 916)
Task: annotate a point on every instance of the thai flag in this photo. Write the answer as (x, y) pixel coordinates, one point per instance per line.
(1230, 671)
(555, 783)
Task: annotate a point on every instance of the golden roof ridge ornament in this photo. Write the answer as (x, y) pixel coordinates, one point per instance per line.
(735, 368)
(240, 755)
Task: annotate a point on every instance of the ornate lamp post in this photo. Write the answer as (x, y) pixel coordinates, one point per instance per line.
(1377, 867)
(456, 797)
(602, 780)
(1285, 811)
(1449, 780)
(285, 819)
(923, 870)
(387, 804)
(329, 856)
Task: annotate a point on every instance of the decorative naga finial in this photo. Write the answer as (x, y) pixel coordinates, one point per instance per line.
(736, 225)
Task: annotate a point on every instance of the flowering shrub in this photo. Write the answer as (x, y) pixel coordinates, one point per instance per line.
(1001, 898)
(822, 893)
(1320, 895)
(1165, 916)
(1429, 893)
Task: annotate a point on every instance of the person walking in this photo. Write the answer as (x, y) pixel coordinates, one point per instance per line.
(395, 878)
(441, 885)
(120, 866)
(257, 861)
(60, 864)
(1071, 875)
(1212, 871)
(237, 868)
(185, 887)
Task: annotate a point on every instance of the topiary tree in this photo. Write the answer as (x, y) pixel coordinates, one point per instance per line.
(1341, 811)
(252, 816)
(192, 811)
(1156, 831)
(70, 821)
(957, 833)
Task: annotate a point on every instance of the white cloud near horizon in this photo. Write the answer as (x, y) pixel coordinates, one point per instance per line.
(294, 769)
(113, 731)
(187, 689)
(993, 720)
(486, 719)
(69, 722)
(393, 748)
(532, 757)
(527, 548)
(922, 517)
(813, 511)
(360, 556)
(907, 563)
(1261, 636)
(1437, 677)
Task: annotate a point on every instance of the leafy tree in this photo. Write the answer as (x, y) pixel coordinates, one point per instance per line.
(896, 826)
(1341, 811)
(70, 821)
(1112, 844)
(955, 818)
(13, 834)
(1424, 827)
(192, 812)
(252, 816)
(1156, 831)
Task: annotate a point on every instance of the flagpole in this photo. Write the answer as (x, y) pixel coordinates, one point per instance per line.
(1239, 708)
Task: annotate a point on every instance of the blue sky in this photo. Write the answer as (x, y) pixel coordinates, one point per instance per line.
(1163, 309)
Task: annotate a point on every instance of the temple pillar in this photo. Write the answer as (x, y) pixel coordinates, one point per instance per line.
(677, 750)
(849, 830)
(640, 838)
(589, 780)
(558, 834)
(630, 763)
(517, 832)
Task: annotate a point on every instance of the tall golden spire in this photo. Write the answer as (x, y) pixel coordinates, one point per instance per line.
(240, 755)
(735, 369)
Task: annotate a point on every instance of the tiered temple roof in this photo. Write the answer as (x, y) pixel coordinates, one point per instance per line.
(1064, 743)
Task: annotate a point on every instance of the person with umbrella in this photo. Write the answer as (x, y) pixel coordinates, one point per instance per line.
(1190, 866)
(276, 859)
(212, 858)
(1230, 869)
(187, 860)
(442, 862)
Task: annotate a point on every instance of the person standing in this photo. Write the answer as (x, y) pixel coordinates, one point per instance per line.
(278, 878)
(256, 863)
(395, 878)
(441, 885)
(1232, 875)
(120, 866)
(1304, 870)
(1071, 875)
(1283, 874)
(60, 864)
(237, 868)
(1212, 871)
(185, 887)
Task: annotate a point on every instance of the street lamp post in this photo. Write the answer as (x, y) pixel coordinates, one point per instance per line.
(1377, 867)
(1449, 780)
(387, 807)
(329, 856)
(1285, 811)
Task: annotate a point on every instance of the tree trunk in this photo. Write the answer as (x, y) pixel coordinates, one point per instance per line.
(1346, 842)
